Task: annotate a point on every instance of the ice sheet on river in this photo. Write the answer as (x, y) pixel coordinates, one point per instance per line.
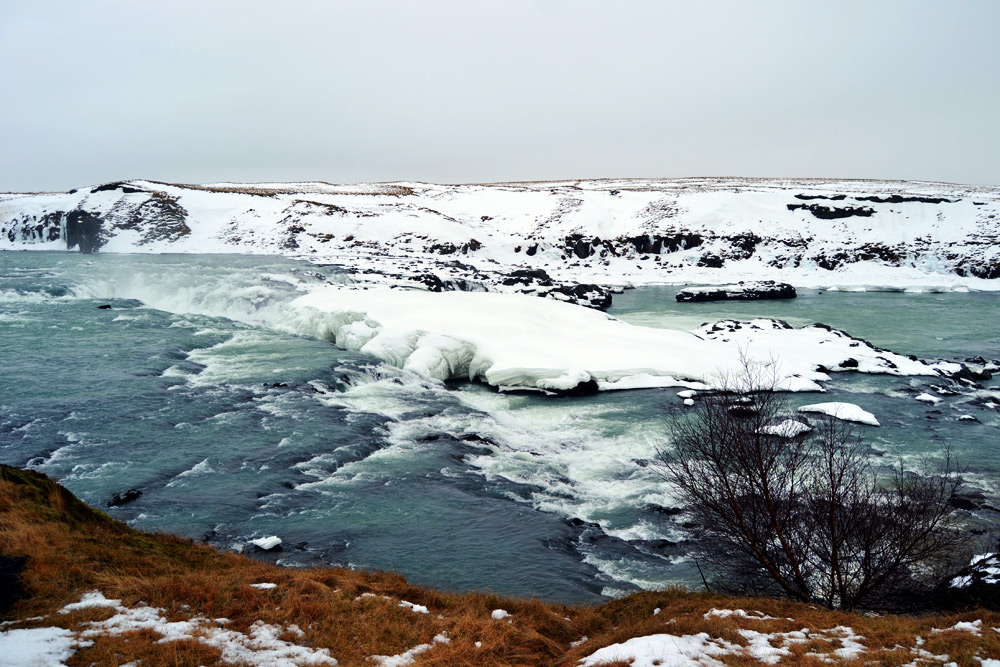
(521, 342)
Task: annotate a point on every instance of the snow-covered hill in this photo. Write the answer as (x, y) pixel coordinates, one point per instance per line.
(550, 235)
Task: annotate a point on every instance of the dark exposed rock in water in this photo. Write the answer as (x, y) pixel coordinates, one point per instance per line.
(966, 373)
(743, 291)
(967, 500)
(120, 499)
(666, 511)
(588, 388)
(104, 306)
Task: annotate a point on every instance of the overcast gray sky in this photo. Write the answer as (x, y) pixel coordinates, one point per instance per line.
(462, 91)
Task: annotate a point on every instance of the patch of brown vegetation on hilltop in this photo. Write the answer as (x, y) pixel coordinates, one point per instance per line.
(73, 549)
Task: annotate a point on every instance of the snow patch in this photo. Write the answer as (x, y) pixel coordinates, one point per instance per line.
(38, 647)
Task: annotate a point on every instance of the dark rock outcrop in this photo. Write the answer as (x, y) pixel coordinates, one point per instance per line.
(743, 291)
(585, 294)
(120, 499)
(834, 213)
(83, 230)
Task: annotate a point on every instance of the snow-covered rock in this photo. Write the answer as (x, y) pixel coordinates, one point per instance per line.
(742, 291)
(266, 543)
(788, 428)
(845, 411)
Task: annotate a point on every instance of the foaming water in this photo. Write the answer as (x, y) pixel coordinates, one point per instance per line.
(199, 388)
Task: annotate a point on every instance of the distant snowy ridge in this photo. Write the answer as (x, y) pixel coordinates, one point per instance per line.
(610, 232)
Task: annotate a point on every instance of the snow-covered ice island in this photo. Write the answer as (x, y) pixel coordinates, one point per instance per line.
(513, 341)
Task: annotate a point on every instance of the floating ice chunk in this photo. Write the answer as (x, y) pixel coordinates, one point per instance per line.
(845, 411)
(689, 402)
(928, 398)
(787, 429)
(687, 393)
(266, 543)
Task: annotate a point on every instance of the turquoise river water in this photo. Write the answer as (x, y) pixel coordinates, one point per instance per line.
(194, 389)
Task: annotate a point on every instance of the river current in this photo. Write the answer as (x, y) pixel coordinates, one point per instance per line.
(193, 388)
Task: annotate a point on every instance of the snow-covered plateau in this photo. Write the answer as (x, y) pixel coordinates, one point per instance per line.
(546, 236)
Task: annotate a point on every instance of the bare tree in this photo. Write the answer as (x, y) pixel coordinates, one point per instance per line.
(808, 517)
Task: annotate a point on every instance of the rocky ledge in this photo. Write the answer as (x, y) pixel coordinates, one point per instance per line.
(742, 291)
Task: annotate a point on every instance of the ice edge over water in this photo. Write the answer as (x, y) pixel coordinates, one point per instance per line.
(515, 341)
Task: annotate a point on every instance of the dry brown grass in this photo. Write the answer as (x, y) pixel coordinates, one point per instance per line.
(73, 549)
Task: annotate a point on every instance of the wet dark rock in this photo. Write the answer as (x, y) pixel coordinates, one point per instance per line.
(120, 499)
(588, 388)
(666, 511)
(985, 402)
(104, 306)
(477, 438)
(850, 362)
(967, 499)
(967, 374)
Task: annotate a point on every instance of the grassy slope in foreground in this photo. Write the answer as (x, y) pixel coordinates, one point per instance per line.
(73, 549)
